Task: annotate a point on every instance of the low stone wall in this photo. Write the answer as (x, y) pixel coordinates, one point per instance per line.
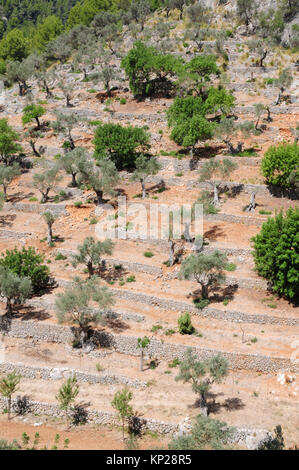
(245, 437)
(58, 209)
(19, 236)
(55, 373)
(128, 345)
(96, 417)
(112, 314)
(209, 312)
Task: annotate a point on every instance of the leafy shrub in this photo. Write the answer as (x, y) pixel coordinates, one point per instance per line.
(27, 263)
(60, 257)
(201, 303)
(276, 252)
(185, 324)
(148, 254)
(279, 162)
(230, 267)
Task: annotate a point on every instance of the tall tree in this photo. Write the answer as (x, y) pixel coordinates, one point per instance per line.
(13, 288)
(121, 403)
(7, 174)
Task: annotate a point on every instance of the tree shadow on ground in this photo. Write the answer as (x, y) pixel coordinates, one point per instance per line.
(214, 233)
(27, 312)
(7, 220)
(215, 406)
(111, 273)
(224, 293)
(116, 324)
(20, 196)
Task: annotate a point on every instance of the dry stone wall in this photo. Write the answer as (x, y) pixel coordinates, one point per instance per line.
(128, 345)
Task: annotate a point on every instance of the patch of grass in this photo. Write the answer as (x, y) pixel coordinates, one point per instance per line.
(254, 340)
(33, 199)
(156, 328)
(131, 278)
(230, 267)
(148, 254)
(264, 212)
(201, 303)
(78, 204)
(99, 367)
(93, 221)
(246, 153)
(174, 363)
(123, 101)
(91, 90)
(169, 332)
(60, 257)
(226, 302)
(178, 175)
(272, 305)
(95, 123)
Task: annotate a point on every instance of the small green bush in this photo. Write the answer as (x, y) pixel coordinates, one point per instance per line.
(148, 254)
(185, 324)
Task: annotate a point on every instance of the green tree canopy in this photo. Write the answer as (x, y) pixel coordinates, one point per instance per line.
(207, 270)
(279, 162)
(121, 144)
(27, 263)
(74, 305)
(276, 252)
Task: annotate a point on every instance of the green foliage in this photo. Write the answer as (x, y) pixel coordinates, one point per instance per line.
(185, 324)
(7, 174)
(206, 434)
(121, 144)
(9, 145)
(46, 181)
(274, 443)
(121, 403)
(90, 253)
(200, 69)
(208, 270)
(67, 395)
(8, 386)
(148, 69)
(202, 374)
(143, 342)
(276, 252)
(26, 263)
(33, 112)
(14, 46)
(47, 31)
(74, 305)
(279, 162)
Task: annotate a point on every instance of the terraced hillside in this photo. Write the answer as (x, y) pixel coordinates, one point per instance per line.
(255, 330)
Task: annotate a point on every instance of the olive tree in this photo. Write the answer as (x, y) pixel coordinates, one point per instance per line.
(13, 288)
(7, 174)
(46, 182)
(202, 375)
(64, 125)
(72, 161)
(49, 218)
(90, 253)
(145, 166)
(74, 305)
(216, 168)
(207, 270)
(283, 82)
(101, 177)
